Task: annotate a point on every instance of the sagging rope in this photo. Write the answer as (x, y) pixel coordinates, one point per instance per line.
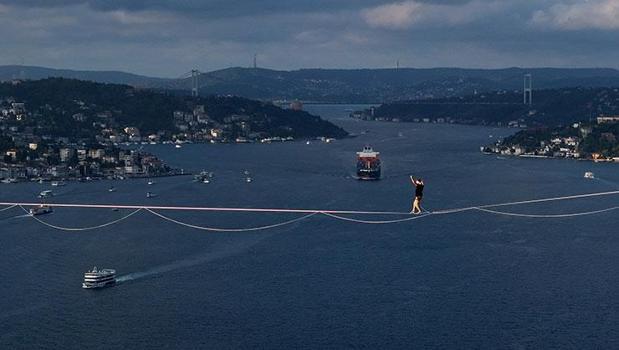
(61, 228)
(554, 199)
(8, 208)
(336, 214)
(547, 216)
(377, 222)
(219, 229)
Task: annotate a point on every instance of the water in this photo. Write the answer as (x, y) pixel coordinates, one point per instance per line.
(467, 280)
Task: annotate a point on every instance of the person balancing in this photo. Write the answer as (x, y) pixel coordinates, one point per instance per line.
(418, 183)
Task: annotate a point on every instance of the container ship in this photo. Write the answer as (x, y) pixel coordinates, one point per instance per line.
(368, 164)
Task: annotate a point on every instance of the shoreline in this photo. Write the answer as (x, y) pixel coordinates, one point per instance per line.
(533, 156)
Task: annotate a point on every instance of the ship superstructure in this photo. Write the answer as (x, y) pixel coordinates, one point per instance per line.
(99, 278)
(368, 164)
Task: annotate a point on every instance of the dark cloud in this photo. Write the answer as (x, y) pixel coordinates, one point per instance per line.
(167, 38)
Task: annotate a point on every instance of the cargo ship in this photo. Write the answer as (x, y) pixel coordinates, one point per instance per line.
(368, 164)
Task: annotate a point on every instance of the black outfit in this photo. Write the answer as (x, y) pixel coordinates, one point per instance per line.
(419, 190)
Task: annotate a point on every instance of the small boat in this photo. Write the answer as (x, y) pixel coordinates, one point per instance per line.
(46, 193)
(178, 146)
(58, 183)
(248, 179)
(114, 209)
(41, 210)
(111, 189)
(151, 182)
(204, 176)
(99, 278)
(150, 195)
(589, 175)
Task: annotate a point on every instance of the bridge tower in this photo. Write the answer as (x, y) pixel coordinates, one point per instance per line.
(195, 75)
(528, 89)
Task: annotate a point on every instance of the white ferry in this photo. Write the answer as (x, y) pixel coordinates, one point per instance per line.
(99, 278)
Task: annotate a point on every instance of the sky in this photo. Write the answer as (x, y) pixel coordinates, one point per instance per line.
(168, 38)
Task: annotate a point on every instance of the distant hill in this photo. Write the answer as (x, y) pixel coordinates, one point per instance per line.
(345, 85)
(551, 107)
(75, 108)
(115, 77)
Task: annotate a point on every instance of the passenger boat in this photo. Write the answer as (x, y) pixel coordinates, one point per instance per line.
(99, 278)
(41, 210)
(368, 164)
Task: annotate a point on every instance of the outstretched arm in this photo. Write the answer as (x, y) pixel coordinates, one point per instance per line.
(412, 179)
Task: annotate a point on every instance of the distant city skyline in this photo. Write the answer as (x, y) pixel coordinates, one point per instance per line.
(168, 38)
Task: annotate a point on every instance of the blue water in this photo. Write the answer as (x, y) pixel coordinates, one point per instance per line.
(467, 280)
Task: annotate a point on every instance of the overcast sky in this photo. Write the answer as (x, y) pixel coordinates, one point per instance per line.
(170, 37)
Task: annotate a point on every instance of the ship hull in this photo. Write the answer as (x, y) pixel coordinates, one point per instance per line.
(99, 285)
(370, 175)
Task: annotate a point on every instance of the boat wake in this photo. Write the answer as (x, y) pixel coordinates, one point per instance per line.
(222, 252)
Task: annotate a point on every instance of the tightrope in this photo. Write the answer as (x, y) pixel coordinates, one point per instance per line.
(305, 211)
(336, 214)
